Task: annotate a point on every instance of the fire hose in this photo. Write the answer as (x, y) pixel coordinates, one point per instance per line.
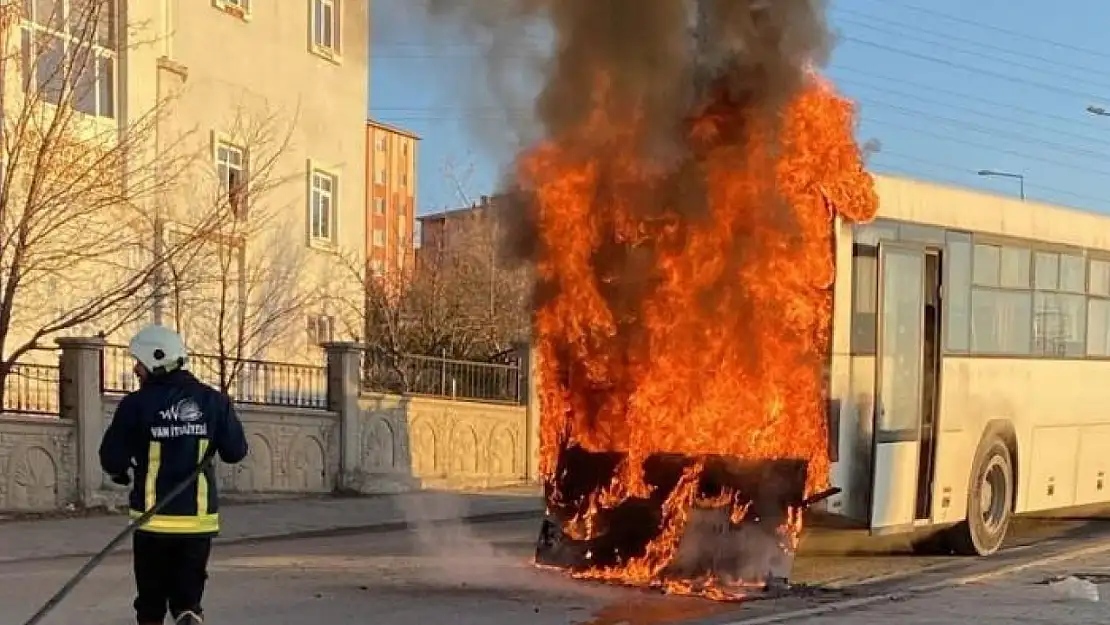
(134, 525)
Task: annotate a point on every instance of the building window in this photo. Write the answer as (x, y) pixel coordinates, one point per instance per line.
(325, 26)
(231, 169)
(381, 143)
(404, 178)
(321, 329)
(379, 176)
(321, 214)
(238, 8)
(379, 206)
(379, 238)
(69, 54)
(377, 266)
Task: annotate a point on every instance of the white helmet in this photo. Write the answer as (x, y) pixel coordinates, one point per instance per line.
(159, 349)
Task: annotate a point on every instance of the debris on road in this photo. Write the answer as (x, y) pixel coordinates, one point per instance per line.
(1072, 587)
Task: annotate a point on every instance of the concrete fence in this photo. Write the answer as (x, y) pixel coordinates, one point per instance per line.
(361, 442)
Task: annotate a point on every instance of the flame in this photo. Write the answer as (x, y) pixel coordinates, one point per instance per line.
(692, 323)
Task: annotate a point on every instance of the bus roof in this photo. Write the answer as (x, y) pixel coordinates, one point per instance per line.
(905, 199)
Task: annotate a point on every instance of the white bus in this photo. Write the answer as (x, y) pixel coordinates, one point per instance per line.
(970, 372)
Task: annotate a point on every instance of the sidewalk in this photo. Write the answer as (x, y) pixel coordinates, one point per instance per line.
(1023, 597)
(52, 538)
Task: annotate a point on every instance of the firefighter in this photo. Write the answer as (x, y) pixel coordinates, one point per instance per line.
(162, 432)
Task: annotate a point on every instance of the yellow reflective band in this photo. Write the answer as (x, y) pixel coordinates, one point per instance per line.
(153, 466)
(202, 479)
(169, 524)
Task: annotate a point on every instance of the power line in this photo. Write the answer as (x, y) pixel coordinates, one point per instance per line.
(889, 80)
(957, 140)
(963, 140)
(1048, 87)
(490, 113)
(973, 175)
(887, 4)
(1061, 147)
(959, 104)
(950, 42)
(985, 72)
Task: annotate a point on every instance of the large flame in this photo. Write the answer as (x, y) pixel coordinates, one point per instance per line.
(685, 302)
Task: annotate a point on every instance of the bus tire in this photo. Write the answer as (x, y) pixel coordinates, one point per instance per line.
(990, 500)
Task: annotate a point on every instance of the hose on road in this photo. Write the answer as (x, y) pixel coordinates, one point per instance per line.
(135, 524)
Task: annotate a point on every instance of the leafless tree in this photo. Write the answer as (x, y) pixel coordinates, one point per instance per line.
(453, 300)
(78, 184)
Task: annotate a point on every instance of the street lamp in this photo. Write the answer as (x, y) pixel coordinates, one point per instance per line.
(990, 173)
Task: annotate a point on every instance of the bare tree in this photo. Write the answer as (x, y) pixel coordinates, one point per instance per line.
(453, 300)
(79, 185)
(241, 288)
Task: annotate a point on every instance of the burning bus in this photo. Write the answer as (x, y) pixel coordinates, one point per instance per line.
(680, 215)
(683, 349)
(969, 334)
(733, 319)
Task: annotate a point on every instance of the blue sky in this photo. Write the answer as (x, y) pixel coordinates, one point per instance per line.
(948, 88)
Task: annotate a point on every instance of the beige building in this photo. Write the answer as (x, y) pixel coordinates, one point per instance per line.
(390, 197)
(265, 102)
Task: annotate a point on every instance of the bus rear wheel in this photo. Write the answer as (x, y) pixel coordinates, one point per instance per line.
(989, 501)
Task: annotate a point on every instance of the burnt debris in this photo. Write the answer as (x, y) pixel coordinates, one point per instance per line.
(745, 551)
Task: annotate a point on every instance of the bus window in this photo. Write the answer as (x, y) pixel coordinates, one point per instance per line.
(1059, 324)
(987, 265)
(1014, 268)
(1047, 276)
(957, 290)
(1001, 321)
(865, 298)
(1098, 327)
(1099, 283)
(1059, 307)
(1073, 274)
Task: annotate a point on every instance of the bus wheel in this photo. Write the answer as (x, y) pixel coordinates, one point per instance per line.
(989, 501)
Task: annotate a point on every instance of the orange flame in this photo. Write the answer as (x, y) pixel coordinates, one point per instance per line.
(710, 332)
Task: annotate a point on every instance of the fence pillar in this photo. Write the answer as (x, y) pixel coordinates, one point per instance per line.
(531, 400)
(343, 388)
(81, 400)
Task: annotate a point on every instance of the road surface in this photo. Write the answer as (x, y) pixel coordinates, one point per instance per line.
(468, 574)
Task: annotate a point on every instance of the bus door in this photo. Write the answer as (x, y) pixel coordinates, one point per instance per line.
(906, 373)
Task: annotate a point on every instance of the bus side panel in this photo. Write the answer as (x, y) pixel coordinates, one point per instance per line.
(852, 391)
(1054, 407)
(958, 434)
(860, 406)
(1093, 474)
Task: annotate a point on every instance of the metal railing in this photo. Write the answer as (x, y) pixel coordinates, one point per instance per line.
(441, 377)
(260, 382)
(32, 389)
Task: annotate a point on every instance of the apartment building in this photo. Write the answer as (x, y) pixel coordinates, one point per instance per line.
(274, 90)
(390, 197)
(447, 230)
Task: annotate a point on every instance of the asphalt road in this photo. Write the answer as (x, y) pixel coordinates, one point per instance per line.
(479, 574)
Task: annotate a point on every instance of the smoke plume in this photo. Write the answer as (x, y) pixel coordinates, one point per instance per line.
(656, 59)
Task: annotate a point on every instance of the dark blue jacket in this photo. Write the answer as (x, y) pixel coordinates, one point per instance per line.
(163, 430)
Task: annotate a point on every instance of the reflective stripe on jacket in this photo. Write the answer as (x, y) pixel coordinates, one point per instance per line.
(163, 430)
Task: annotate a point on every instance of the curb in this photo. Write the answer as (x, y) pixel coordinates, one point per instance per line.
(344, 530)
(915, 591)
